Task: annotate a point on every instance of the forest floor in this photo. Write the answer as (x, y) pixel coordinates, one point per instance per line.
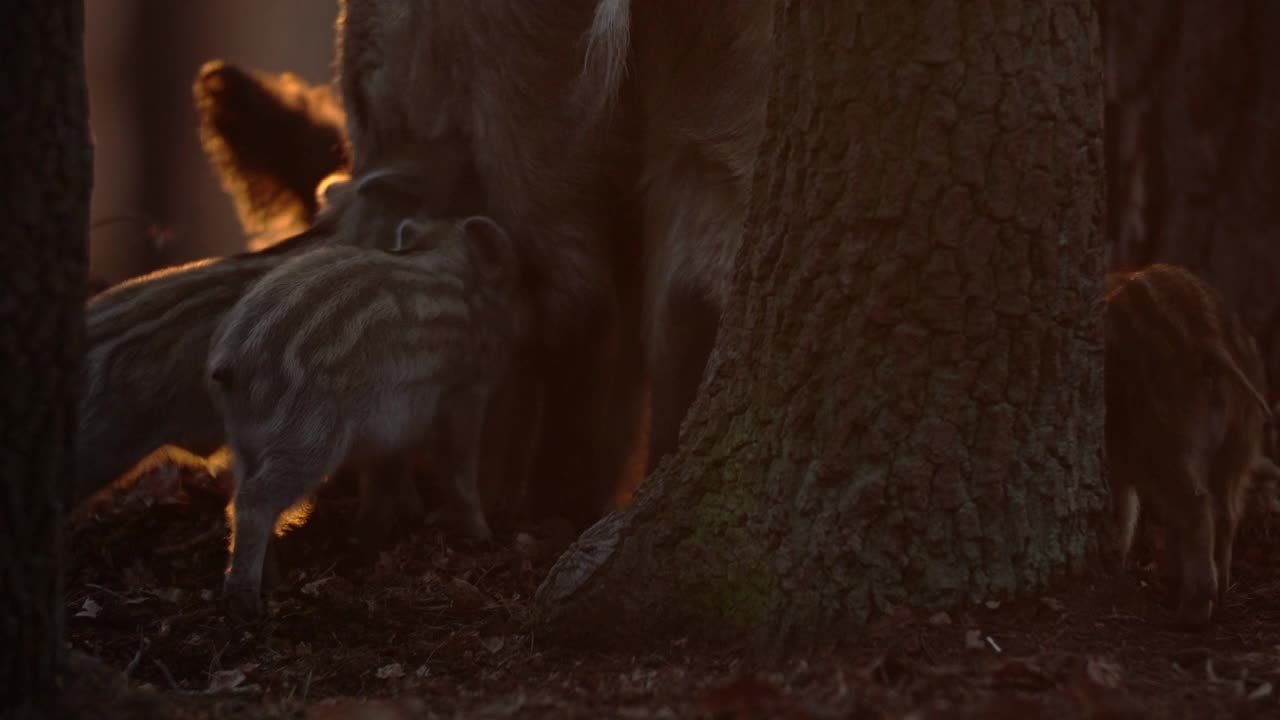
(425, 630)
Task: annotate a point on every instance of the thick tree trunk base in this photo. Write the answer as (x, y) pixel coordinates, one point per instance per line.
(904, 407)
(43, 227)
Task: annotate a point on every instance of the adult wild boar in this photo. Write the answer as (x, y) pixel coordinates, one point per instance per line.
(501, 77)
(504, 82)
(700, 72)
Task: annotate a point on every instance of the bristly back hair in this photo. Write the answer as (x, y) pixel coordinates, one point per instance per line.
(1167, 310)
(253, 125)
(604, 65)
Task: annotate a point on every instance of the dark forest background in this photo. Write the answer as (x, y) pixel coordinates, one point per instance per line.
(155, 200)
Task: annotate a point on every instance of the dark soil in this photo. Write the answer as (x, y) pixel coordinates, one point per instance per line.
(423, 629)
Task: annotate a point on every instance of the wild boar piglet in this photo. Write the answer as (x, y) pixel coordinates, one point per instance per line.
(1184, 424)
(146, 343)
(349, 357)
(148, 339)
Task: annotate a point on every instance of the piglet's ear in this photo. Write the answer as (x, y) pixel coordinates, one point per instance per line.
(271, 139)
(331, 189)
(488, 246)
(409, 236)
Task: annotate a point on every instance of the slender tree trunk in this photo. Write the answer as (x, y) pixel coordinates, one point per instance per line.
(1193, 147)
(43, 226)
(904, 406)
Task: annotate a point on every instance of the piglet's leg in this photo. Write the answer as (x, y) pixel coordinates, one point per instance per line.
(1125, 499)
(1228, 521)
(387, 495)
(268, 490)
(1195, 536)
(272, 575)
(463, 417)
(1171, 569)
(525, 430)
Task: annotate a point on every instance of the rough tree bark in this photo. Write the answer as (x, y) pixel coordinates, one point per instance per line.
(1193, 147)
(44, 143)
(904, 406)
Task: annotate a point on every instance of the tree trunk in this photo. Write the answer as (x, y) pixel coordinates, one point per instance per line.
(1193, 147)
(44, 224)
(904, 406)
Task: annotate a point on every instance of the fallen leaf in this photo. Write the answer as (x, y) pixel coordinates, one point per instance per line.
(465, 596)
(973, 640)
(1053, 604)
(1261, 692)
(225, 681)
(90, 609)
(386, 672)
(1104, 672)
(940, 619)
(313, 588)
(331, 586)
(492, 644)
(526, 544)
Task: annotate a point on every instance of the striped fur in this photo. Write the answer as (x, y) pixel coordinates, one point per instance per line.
(147, 343)
(1185, 420)
(143, 374)
(345, 356)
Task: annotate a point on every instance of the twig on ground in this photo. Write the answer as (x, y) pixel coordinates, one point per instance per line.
(108, 591)
(137, 657)
(173, 685)
(196, 614)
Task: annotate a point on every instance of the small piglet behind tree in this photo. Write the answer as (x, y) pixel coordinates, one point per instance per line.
(1184, 426)
(345, 357)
